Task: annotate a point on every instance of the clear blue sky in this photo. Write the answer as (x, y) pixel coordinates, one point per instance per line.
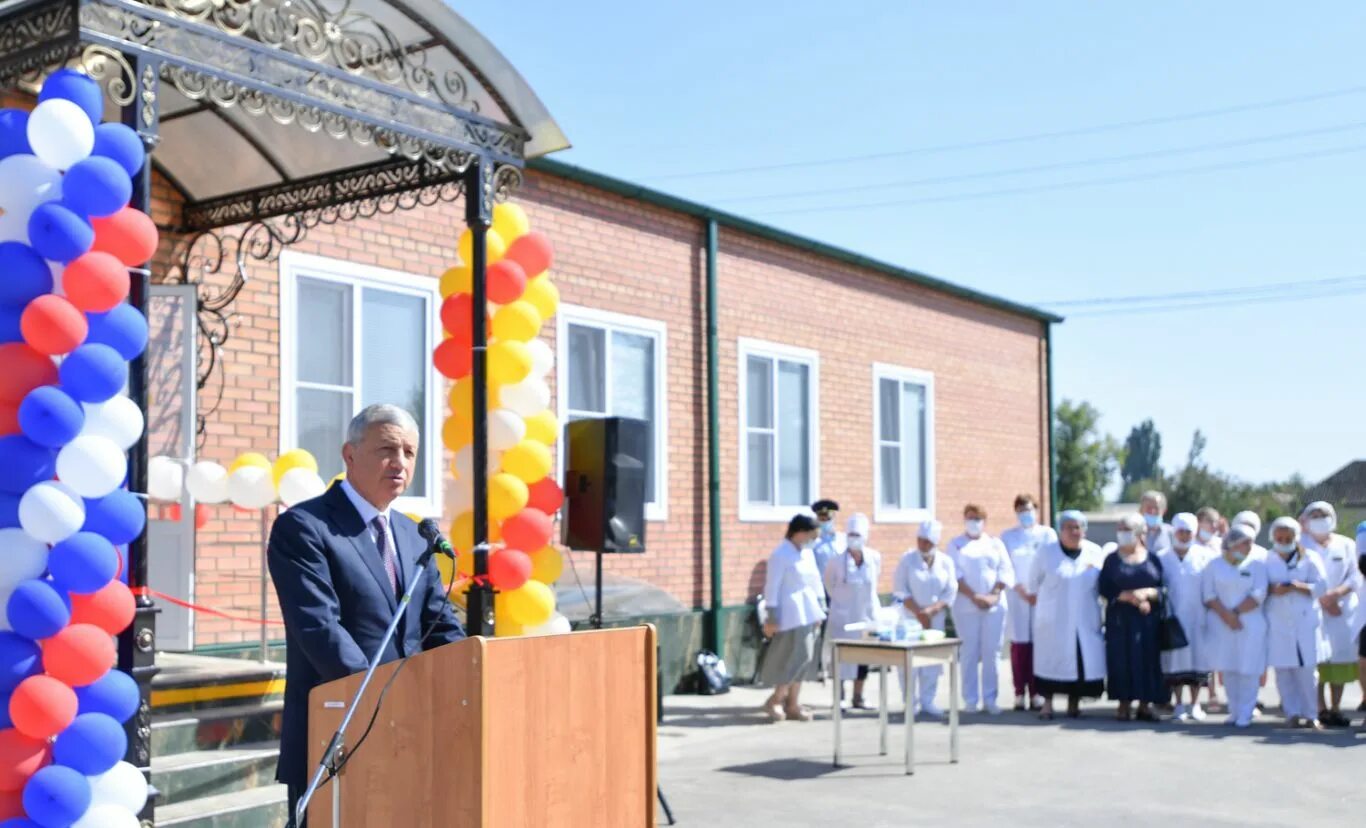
(651, 91)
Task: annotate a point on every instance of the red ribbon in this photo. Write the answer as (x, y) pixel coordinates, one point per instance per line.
(149, 592)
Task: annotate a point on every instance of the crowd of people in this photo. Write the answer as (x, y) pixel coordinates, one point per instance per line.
(1158, 621)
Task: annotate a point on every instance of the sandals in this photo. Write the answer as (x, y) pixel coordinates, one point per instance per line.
(1146, 716)
(1120, 715)
(799, 714)
(774, 712)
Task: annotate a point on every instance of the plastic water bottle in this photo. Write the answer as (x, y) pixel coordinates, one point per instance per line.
(901, 631)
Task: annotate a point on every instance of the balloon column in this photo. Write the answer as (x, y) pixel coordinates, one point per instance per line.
(67, 239)
(522, 493)
(251, 482)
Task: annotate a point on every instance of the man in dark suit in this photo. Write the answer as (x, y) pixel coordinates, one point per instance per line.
(340, 563)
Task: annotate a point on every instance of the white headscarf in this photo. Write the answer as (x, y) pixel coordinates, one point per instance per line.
(1251, 520)
(930, 530)
(1185, 520)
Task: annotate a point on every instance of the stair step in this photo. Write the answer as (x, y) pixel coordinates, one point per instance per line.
(192, 682)
(209, 773)
(182, 732)
(264, 807)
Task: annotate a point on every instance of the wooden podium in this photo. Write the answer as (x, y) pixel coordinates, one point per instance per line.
(541, 731)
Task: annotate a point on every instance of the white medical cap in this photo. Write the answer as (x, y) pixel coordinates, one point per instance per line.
(1249, 519)
(1072, 516)
(1185, 520)
(1286, 523)
(930, 530)
(1237, 533)
(857, 525)
(1320, 506)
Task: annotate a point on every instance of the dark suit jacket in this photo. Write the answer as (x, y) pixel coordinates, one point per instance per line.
(336, 601)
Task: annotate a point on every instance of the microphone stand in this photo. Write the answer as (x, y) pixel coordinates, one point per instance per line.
(333, 755)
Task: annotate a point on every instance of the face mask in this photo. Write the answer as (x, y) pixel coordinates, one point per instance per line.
(1124, 537)
(974, 527)
(1283, 549)
(1322, 525)
(808, 543)
(1238, 557)
(927, 555)
(1205, 535)
(1180, 545)
(855, 543)
(828, 529)
(1027, 518)
(1153, 521)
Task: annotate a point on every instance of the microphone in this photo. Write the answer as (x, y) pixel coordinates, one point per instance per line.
(431, 533)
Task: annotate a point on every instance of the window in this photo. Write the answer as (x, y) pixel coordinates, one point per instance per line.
(903, 443)
(612, 365)
(352, 336)
(779, 430)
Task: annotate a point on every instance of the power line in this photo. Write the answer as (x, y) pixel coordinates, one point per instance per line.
(1082, 183)
(1061, 165)
(1020, 139)
(1256, 300)
(1210, 294)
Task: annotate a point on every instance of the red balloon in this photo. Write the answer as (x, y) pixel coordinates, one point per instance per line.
(20, 758)
(9, 419)
(509, 569)
(110, 609)
(533, 252)
(455, 314)
(42, 707)
(454, 359)
(201, 515)
(12, 804)
(528, 529)
(78, 655)
(546, 495)
(52, 325)
(96, 282)
(24, 370)
(129, 235)
(506, 281)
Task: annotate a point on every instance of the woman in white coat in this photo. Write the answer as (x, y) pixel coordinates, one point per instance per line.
(1234, 587)
(979, 611)
(925, 583)
(1069, 648)
(1341, 604)
(1182, 566)
(851, 579)
(1023, 541)
(1294, 641)
(792, 599)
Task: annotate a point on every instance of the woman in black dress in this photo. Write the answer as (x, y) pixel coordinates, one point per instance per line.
(1131, 584)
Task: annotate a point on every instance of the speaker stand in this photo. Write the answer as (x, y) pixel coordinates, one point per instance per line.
(595, 620)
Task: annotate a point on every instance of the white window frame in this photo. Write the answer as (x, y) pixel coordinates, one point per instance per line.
(925, 379)
(608, 322)
(295, 265)
(781, 512)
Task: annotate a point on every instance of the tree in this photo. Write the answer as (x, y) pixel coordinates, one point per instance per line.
(1085, 458)
(1142, 452)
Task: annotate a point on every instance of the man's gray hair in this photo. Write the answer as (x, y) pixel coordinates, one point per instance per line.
(1157, 497)
(379, 414)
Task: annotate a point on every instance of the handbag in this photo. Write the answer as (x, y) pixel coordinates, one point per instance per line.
(1170, 634)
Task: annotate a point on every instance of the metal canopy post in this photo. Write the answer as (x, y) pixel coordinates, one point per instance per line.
(479, 217)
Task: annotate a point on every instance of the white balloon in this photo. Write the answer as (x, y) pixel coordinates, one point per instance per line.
(459, 497)
(528, 397)
(21, 557)
(107, 816)
(118, 418)
(506, 429)
(92, 466)
(251, 487)
(542, 357)
(51, 512)
(557, 625)
(28, 183)
(60, 133)
(207, 482)
(4, 616)
(464, 463)
(122, 786)
(165, 479)
(298, 485)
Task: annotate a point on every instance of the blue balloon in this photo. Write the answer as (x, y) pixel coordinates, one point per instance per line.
(119, 516)
(19, 822)
(9, 510)
(93, 373)
(92, 744)
(56, 796)
(5, 720)
(77, 88)
(121, 144)
(83, 563)
(11, 318)
(59, 234)
(49, 417)
(27, 276)
(123, 328)
(24, 463)
(36, 610)
(96, 187)
(114, 695)
(14, 133)
(19, 659)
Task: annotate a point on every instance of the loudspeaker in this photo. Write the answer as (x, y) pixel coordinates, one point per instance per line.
(604, 484)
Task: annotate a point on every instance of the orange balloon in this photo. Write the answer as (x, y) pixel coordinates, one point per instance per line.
(533, 252)
(506, 281)
(41, 707)
(453, 358)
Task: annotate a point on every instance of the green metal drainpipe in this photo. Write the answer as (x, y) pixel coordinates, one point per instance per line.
(715, 632)
(1052, 449)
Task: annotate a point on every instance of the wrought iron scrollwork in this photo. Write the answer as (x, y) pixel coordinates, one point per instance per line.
(112, 69)
(33, 39)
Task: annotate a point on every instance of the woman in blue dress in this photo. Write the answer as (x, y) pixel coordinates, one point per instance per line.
(1131, 584)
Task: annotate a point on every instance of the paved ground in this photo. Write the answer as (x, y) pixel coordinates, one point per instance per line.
(722, 764)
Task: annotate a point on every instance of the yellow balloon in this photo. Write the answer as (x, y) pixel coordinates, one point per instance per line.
(462, 532)
(543, 427)
(413, 516)
(458, 279)
(542, 293)
(250, 458)
(446, 569)
(461, 398)
(334, 481)
(509, 362)
(504, 625)
(530, 604)
(293, 459)
(529, 461)
(517, 320)
(457, 432)
(496, 247)
(547, 565)
(507, 496)
(510, 222)
(464, 564)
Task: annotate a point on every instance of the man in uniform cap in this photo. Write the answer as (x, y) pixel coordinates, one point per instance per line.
(829, 544)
